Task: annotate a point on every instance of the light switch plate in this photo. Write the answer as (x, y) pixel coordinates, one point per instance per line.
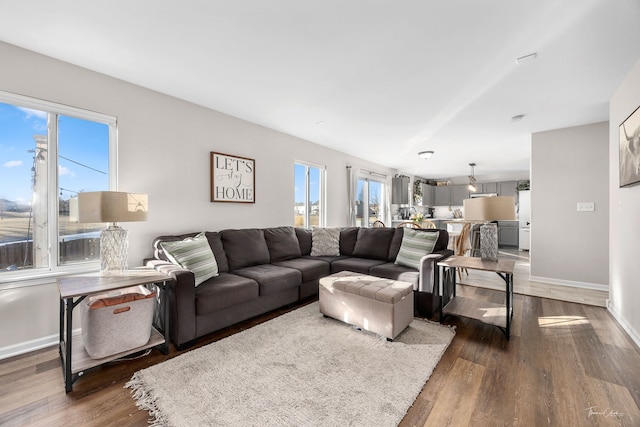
(586, 207)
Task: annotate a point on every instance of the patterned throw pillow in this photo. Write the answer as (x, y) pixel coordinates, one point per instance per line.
(193, 253)
(325, 242)
(415, 245)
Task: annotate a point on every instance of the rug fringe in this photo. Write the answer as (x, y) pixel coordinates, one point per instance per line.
(144, 400)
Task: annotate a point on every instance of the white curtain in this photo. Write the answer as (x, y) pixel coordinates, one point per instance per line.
(387, 203)
(352, 188)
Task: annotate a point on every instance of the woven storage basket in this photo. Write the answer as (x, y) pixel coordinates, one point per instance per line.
(116, 327)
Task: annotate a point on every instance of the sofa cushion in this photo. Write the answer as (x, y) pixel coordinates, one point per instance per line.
(325, 242)
(245, 247)
(357, 265)
(224, 291)
(282, 243)
(272, 278)
(311, 269)
(194, 254)
(215, 241)
(443, 238)
(396, 241)
(373, 243)
(415, 245)
(328, 259)
(304, 239)
(394, 271)
(348, 237)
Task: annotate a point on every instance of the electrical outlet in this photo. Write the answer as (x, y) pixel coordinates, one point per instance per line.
(586, 207)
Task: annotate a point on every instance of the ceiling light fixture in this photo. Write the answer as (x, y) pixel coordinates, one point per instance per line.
(517, 118)
(425, 154)
(525, 58)
(472, 179)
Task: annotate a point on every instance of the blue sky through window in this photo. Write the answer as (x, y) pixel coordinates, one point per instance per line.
(314, 184)
(83, 153)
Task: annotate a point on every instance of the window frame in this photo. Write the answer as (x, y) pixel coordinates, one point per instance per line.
(54, 110)
(322, 209)
(368, 177)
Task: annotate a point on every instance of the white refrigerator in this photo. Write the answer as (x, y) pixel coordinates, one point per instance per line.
(524, 220)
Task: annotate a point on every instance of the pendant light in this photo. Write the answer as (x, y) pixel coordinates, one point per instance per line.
(472, 179)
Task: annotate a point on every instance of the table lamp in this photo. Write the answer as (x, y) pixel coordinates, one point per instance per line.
(112, 207)
(500, 208)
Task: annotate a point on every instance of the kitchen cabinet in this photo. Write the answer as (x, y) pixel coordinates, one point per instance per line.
(507, 188)
(508, 234)
(428, 195)
(490, 187)
(458, 194)
(450, 195)
(485, 187)
(442, 195)
(400, 190)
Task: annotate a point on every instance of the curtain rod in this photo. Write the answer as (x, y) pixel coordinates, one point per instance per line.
(364, 171)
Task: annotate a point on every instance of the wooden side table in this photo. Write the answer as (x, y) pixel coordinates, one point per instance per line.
(74, 289)
(499, 315)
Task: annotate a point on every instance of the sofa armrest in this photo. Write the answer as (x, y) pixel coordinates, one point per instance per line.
(428, 270)
(181, 297)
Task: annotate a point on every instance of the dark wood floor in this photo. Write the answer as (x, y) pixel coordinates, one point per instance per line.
(566, 364)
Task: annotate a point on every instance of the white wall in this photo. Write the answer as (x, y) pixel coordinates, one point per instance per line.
(624, 209)
(164, 146)
(569, 166)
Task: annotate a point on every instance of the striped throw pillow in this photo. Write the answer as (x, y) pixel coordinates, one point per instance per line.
(415, 245)
(193, 253)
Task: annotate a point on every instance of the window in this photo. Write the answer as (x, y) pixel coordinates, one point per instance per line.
(309, 182)
(370, 201)
(48, 154)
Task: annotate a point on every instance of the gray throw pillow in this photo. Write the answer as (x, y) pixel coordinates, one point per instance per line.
(193, 253)
(415, 245)
(325, 242)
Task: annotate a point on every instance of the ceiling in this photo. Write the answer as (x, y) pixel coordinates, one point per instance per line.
(376, 79)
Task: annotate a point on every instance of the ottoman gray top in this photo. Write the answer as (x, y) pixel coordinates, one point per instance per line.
(372, 287)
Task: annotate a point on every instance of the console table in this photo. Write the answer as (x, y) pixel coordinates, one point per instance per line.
(499, 315)
(74, 289)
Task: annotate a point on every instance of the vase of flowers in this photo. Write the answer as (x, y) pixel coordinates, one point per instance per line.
(417, 218)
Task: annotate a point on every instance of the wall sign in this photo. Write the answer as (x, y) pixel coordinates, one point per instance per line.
(233, 178)
(630, 150)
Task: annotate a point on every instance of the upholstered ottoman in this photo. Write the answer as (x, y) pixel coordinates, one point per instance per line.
(383, 306)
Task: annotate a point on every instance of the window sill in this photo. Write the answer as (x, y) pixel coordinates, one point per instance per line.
(37, 277)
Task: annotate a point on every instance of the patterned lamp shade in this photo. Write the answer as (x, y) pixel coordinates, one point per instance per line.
(501, 208)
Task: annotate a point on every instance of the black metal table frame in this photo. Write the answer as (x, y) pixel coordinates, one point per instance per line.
(448, 276)
(66, 332)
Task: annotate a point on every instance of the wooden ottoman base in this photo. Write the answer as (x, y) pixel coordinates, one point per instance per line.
(375, 304)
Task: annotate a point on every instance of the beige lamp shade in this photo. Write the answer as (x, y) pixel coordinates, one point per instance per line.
(112, 206)
(501, 208)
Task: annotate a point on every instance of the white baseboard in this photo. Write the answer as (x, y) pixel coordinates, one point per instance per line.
(572, 283)
(635, 336)
(27, 346)
(33, 345)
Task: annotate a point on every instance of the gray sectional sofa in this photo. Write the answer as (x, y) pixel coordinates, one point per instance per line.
(260, 270)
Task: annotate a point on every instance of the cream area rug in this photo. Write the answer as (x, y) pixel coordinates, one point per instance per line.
(299, 369)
